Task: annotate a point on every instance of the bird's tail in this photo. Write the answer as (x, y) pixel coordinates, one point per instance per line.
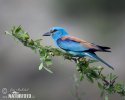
(105, 49)
(93, 55)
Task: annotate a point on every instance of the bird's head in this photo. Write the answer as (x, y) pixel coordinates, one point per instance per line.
(56, 33)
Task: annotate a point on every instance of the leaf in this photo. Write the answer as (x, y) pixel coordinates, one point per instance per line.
(31, 42)
(38, 41)
(110, 76)
(6, 32)
(100, 85)
(92, 61)
(18, 29)
(93, 74)
(41, 66)
(47, 69)
(102, 93)
(118, 87)
(48, 61)
(81, 77)
(90, 78)
(26, 36)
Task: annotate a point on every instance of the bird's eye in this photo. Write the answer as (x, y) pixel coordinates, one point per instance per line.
(52, 31)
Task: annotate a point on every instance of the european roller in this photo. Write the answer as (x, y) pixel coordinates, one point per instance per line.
(75, 46)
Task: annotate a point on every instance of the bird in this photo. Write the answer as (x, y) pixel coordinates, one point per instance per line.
(76, 46)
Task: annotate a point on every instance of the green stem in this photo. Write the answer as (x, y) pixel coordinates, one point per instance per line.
(106, 97)
(76, 81)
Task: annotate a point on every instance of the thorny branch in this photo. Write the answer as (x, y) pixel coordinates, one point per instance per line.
(106, 83)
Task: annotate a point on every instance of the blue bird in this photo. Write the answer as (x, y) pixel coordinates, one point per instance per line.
(75, 46)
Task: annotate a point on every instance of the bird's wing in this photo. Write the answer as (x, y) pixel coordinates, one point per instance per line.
(75, 44)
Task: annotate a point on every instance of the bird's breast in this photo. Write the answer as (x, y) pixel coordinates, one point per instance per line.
(77, 54)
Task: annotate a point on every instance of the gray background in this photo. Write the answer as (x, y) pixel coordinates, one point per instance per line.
(98, 21)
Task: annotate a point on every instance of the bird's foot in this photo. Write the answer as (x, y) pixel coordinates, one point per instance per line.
(77, 59)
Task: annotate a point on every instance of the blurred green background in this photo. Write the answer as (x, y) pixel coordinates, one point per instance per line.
(98, 21)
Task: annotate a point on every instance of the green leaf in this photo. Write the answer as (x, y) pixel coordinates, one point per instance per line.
(90, 78)
(48, 63)
(38, 41)
(31, 42)
(92, 61)
(47, 69)
(102, 93)
(26, 36)
(118, 87)
(18, 29)
(41, 66)
(81, 77)
(100, 85)
(93, 74)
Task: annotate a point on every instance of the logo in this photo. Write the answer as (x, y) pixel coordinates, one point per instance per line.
(4, 90)
(19, 93)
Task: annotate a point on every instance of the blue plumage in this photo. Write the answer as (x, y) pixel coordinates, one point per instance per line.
(70, 45)
(76, 46)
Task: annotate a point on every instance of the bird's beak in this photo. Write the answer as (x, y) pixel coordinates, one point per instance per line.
(47, 34)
